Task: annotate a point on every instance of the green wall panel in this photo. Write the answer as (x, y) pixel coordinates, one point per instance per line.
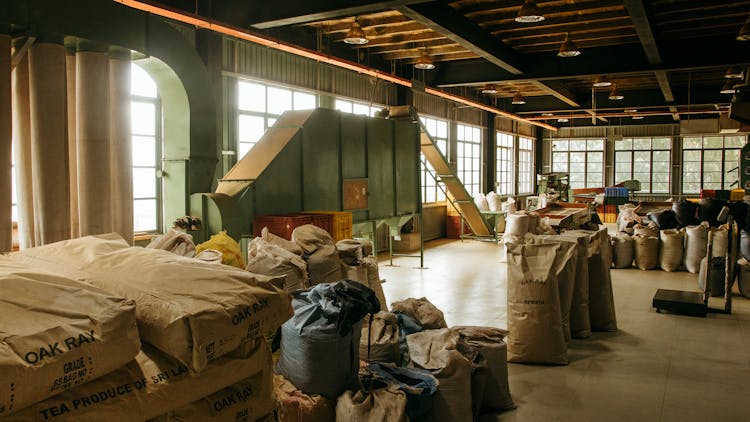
(321, 161)
(380, 168)
(354, 147)
(407, 167)
(279, 189)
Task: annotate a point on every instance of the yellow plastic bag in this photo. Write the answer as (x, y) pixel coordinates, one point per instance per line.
(229, 248)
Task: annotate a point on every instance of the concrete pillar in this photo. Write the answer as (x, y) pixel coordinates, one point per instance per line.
(22, 153)
(121, 170)
(49, 142)
(70, 63)
(6, 185)
(92, 133)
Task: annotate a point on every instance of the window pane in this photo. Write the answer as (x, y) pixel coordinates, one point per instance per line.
(279, 100)
(141, 83)
(713, 142)
(251, 128)
(144, 151)
(244, 148)
(345, 106)
(144, 183)
(595, 145)
(624, 144)
(692, 143)
(361, 109)
(252, 97)
(304, 101)
(442, 129)
(661, 143)
(270, 122)
(578, 145)
(144, 215)
(559, 145)
(142, 118)
(560, 162)
(734, 141)
(642, 143)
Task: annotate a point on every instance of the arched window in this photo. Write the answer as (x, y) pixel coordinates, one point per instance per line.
(146, 120)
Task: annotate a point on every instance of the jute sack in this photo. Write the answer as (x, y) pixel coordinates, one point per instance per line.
(671, 245)
(268, 259)
(696, 239)
(323, 262)
(489, 342)
(566, 261)
(534, 317)
(580, 321)
(249, 400)
(293, 405)
(56, 334)
(429, 317)
(622, 250)
(646, 251)
(743, 277)
(721, 241)
(191, 311)
(379, 339)
(601, 297)
(149, 386)
(716, 278)
(382, 404)
(650, 229)
(352, 251)
(280, 241)
(366, 272)
(436, 350)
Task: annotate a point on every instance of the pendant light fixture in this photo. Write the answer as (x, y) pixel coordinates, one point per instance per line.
(562, 120)
(728, 88)
(424, 61)
(744, 34)
(733, 73)
(529, 13)
(614, 94)
(568, 48)
(356, 35)
(489, 89)
(601, 82)
(518, 99)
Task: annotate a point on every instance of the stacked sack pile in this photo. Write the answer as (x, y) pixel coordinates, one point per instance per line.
(93, 328)
(559, 287)
(343, 358)
(674, 240)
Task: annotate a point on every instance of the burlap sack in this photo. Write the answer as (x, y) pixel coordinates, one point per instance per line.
(280, 241)
(323, 263)
(248, 400)
(602, 315)
(422, 310)
(367, 273)
(191, 311)
(566, 261)
(743, 277)
(147, 387)
(489, 342)
(696, 239)
(379, 340)
(670, 249)
(720, 238)
(56, 334)
(646, 250)
(622, 250)
(352, 252)
(293, 405)
(383, 404)
(436, 350)
(534, 317)
(271, 260)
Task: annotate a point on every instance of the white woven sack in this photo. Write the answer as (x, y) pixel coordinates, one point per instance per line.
(646, 251)
(622, 247)
(696, 238)
(517, 224)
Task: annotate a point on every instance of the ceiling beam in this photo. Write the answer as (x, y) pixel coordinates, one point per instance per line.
(711, 53)
(270, 14)
(447, 21)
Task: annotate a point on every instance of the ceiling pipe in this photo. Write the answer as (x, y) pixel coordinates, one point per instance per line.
(243, 34)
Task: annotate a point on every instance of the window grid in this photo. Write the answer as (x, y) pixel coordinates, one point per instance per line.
(504, 163)
(646, 160)
(146, 151)
(525, 165)
(710, 162)
(354, 107)
(259, 106)
(582, 159)
(438, 130)
(469, 157)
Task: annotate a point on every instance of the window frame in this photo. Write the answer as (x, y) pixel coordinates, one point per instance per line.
(158, 151)
(431, 185)
(702, 161)
(462, 159)
(586, 152)
(500, 171)
(632, 153)
(530, 173)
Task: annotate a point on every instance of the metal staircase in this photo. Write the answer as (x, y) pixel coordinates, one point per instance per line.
(455, 190)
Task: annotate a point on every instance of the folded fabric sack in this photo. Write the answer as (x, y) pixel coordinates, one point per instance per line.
(191, 311)
(418, 384)
(319, 251)
(56, 334)
(175, 241)
(294, 405)
(428, 316)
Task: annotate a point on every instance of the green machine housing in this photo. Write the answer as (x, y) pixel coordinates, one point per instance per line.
(319, 160)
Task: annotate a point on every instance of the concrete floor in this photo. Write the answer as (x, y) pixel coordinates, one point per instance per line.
(657, 367)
